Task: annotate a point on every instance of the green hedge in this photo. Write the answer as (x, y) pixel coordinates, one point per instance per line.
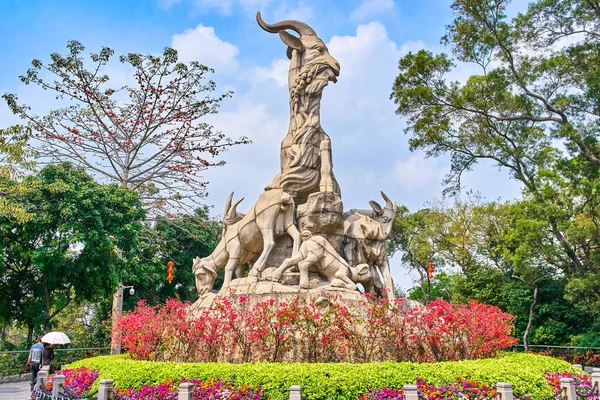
(337, 380)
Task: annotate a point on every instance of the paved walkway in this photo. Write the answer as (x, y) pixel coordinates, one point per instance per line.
(15, 391)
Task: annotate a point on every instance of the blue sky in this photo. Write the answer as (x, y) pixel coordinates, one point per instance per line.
(370, 150)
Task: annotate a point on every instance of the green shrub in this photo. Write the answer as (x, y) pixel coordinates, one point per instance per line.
(337, 380)
(12, 363)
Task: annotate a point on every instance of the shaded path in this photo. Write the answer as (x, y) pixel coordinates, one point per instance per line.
(15, 391)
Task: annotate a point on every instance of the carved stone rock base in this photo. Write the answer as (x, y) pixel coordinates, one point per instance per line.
(323, 214)
(263, 290)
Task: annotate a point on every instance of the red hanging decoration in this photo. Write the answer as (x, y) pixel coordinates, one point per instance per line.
(170, 264)
(430, 270)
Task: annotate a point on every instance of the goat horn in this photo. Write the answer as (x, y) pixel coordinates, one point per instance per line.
(228, 204)
(233, 212)
(299, 27)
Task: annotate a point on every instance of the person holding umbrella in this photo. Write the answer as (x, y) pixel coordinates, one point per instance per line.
(49, 339)
(47, 356)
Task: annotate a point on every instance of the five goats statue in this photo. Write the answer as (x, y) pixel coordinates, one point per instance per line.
(306, 168)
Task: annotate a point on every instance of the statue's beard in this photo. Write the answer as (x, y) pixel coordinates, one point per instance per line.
(312, 80)
(317, 85)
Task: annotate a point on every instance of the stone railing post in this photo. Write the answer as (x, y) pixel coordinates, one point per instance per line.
(411, 392)
(57, 386)
(505, 390)
(578, 366)
(105, 389)
(596, 379)
(186, 391)
(567, 385)
(295, 392)
(40, 381)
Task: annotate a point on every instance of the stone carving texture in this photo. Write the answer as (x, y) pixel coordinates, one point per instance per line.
(254, 234)
(306, 165)
(338, 249)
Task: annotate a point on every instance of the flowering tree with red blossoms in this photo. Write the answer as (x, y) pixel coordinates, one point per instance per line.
(149, 137)
(238, 330)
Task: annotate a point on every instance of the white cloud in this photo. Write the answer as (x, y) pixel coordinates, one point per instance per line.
(203, 45)
(370, 8)
(300, 11)
(417, 172)
(278, 71)
(221, 6)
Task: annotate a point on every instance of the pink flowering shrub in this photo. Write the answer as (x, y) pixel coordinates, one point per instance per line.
(77, 381)
(238, 330)
(583, 384)
(203, 390)
(464, 389)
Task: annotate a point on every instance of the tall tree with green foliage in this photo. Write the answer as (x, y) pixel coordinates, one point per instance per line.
(75, 248)
(178, 240)
(16, 158)
(532, 109)
(501, 254)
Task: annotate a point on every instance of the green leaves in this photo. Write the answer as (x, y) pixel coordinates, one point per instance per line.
(526, 372)
(69, 248)
(532, 108)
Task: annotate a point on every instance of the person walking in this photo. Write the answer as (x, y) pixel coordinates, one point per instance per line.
(47, 356)
(35, 359)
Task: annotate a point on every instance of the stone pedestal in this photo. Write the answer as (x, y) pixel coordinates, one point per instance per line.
(323, 214)
(260, 290)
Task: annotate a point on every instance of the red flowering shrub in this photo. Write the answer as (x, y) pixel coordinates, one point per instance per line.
(444, 331)
(375, 330)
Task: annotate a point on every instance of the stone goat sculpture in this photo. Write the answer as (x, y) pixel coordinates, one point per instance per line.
(317, 254)
(365, 234)
(306, 165)
(272, 214)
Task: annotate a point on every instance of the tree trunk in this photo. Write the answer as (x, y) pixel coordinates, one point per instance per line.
(29, 333)
(530, 320)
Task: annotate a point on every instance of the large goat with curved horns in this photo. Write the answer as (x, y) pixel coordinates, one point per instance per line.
(306, 150)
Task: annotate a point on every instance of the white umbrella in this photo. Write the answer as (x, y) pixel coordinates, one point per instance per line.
(55, 338)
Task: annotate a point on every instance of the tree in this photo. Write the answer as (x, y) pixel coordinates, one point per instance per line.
(70, 250)
(15, 158)
(533, 110)
(149, 137)
(498, 253)
(411, 234)
(178, 240)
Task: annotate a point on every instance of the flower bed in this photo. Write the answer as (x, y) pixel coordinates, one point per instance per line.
(470, 390)
(378, 330)
(526, 372)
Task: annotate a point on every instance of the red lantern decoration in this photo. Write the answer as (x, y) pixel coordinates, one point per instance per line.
(170, 264)
(430, 276)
